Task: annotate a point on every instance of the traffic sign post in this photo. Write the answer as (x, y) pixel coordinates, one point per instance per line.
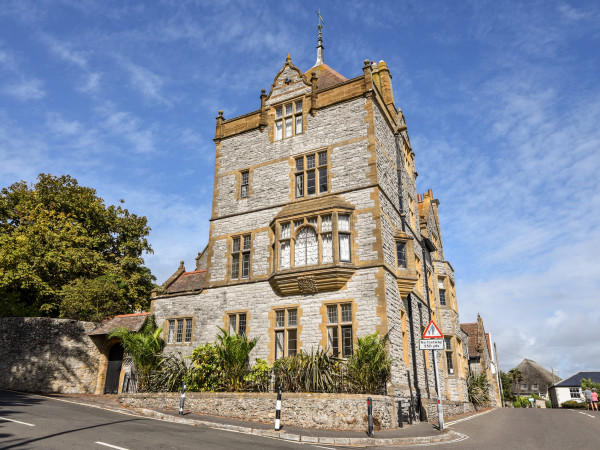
(432, 334)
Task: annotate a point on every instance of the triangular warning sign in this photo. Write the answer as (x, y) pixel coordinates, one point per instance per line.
(432, 331)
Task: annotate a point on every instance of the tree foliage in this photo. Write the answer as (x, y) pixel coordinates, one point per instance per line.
(507, 385)
(64, 253)
(370, 366)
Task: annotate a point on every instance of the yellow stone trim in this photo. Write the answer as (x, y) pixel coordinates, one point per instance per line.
(225, 319)
(323, 325)
(272, 317)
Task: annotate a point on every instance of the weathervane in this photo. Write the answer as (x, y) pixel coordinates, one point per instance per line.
(320, 46)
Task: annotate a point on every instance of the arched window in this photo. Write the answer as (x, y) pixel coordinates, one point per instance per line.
(306, 247)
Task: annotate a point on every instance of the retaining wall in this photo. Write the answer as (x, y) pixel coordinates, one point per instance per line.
(322, 411)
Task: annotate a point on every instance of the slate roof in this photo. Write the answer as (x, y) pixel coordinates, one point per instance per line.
(327, 76)
(188, 281)
(132, 322)
(575, 380)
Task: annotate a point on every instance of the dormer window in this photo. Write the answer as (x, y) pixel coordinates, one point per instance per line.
(288, 120)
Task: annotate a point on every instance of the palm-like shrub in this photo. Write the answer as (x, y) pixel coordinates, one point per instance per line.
(144, 347)
(478, 389)
(169, 374)
(316, 371)
(369, 367)
(234, 351)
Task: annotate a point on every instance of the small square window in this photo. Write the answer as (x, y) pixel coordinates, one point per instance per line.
(236, 244)
(310, 162)
(280, 319)
(332, 316)
(346, 313)
(323, 159)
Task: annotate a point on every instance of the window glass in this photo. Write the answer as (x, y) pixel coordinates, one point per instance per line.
(188, 330)
(323, 159)
(179, 335)
(235, 266)
(279, 336)
(292, 342)
(306, 247)
(325, 223)
(246, 242)
(327, 245)
(311, 186)
(401, 254)
(323, 180)
(299, 164)
(280, 319)
(236, 244)
(288, 127)
(232, 324)
(285, 230)
(346, 341)
(344, 222)
(292, 318)
(449, 363)
(278, 130)
(312, 221)
(310, 162)
(298, 223)
(332, 339)
(442, 297)
(285, 255)
(298, 124)
(440, 283)
(242, 324)
(278, 112)
(332, 314)
(300, 185)
(448, 342)
(344, 247)
(299, 106)
(288, 109)
(246, 265)
(346, 313)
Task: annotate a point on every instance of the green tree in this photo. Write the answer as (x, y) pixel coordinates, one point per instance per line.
(59, 241)
(507, 383)
(144, 347)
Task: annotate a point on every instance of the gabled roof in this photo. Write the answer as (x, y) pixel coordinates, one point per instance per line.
(575, 380)
(131, 322)
(188, 281)
(327, 77)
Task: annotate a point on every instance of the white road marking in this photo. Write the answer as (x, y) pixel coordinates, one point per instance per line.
(448, 424)
(109, 445)
(17, 421)
(461, 437)
(586, 414)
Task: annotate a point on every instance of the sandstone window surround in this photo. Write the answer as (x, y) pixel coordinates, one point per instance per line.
(339, 329)
(313, 246)
(286, 332)
(311, 175)
(241, 248)
(288, 120)
(406, 271)
(237, 323)
(244, 183)
(442, 292)
(179, 330)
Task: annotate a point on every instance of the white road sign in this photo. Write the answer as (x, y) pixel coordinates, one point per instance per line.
(431, 344)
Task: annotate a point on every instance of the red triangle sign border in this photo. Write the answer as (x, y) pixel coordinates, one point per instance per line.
(439, 334)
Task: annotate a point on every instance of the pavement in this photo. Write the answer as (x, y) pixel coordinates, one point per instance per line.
(418, 433)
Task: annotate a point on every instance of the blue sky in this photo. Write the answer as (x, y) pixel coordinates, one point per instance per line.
(502, 101)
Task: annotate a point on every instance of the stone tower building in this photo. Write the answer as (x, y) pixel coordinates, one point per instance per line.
(317, 235)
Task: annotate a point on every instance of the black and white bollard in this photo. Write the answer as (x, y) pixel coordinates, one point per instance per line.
(370, 414)
(182, 399)
(278, 410)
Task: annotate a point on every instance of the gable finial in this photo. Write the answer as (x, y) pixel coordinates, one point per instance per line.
(320, 44)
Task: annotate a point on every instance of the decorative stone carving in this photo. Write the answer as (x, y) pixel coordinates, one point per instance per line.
(307, 285)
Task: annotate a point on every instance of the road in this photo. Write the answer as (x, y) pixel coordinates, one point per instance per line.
(510, 428)
(34, 422)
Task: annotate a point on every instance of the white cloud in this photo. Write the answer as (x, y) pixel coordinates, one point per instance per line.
(25, 89)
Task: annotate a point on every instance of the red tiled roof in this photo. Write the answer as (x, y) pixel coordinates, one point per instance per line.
(188, 281)
(470, 330)
(327, 76)
(132, 322)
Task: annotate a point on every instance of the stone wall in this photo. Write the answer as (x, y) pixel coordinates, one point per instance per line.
(48, 355)
(449, 408)
(322, 411)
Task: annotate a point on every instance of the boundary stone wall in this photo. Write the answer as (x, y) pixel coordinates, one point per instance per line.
(40, 354)
(449, 408)
(321, 411)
